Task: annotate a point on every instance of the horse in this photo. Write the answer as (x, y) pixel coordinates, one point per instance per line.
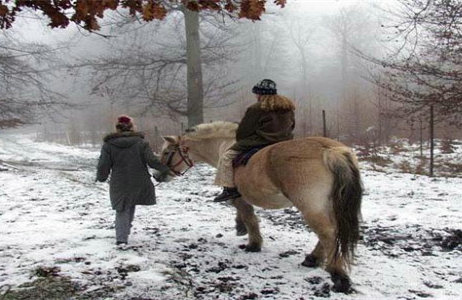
(317, 175)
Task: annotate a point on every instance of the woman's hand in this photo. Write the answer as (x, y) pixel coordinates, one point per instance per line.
(164, 176)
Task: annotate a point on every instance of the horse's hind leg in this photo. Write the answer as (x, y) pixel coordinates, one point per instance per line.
(322, 225)
(318, 214)
(250, 220)
(315, 258)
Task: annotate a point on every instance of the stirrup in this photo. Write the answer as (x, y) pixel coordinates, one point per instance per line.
(227, 194)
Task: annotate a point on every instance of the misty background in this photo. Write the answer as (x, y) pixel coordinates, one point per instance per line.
(71, 84)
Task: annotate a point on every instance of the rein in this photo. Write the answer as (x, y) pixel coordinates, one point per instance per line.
(183, 152)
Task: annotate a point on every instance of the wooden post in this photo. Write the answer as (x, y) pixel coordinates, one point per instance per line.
(338, 127)
(324, 127)
(310, 116)
(432, 144)
(421, 138)
(156, 139)
(182, 128)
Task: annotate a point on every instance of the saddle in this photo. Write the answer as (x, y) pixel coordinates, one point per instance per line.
(243, 158)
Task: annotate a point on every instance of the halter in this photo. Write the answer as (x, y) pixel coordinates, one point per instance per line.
(184, 155)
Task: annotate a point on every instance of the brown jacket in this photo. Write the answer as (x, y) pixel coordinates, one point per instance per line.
(266, 122)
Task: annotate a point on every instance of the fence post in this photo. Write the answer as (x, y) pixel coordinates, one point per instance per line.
(432, 144)
(324, 127)
(421, 138)
(156, 138)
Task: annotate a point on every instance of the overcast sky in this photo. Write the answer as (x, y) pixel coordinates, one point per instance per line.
(34, 30)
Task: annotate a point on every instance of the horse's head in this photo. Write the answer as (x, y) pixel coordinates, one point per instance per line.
(201, 143)
(175, 155)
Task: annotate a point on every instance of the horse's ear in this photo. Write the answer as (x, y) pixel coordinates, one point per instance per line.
(171, 139)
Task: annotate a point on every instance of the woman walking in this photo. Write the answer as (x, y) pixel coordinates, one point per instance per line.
(125, 154)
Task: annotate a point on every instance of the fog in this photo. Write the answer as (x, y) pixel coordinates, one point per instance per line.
(309, 48)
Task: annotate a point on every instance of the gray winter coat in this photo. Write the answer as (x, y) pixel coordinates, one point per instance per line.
(126, 155)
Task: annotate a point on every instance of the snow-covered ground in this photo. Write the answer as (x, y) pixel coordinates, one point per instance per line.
(56, 222)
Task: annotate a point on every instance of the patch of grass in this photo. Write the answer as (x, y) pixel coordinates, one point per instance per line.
(44, 288)
(422, 167)
(50, 285)
(397, 147)
(448, 169)
(378, 160)
(447, 146)
(46, 271)
(405, 167)
(454, 168)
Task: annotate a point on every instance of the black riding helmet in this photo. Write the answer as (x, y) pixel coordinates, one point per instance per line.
(265, 87)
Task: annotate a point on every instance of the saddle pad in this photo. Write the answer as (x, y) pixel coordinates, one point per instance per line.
(243, 158)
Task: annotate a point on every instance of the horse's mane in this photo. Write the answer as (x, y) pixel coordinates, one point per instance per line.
(219, 129)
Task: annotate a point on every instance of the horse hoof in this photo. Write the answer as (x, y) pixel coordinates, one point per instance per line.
(252, 248)
(311, 261)
(342, 283)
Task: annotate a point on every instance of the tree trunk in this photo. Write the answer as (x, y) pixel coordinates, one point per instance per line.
(195, 111)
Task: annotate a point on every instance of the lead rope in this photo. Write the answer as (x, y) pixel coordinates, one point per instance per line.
(184, 159)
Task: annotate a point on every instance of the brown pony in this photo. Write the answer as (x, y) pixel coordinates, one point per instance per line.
(317, 175)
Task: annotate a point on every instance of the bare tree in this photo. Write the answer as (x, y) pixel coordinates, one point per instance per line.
(153, 70)
(195, 109)
(426, 70)
(301, 37)
(25, 70)
(85, 13)
(352, 28)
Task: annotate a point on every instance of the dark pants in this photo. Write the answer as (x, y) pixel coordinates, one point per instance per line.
(123, 223)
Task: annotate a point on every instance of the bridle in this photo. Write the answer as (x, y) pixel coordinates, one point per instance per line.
(183, 152)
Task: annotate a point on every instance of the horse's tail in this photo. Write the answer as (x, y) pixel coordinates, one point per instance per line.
(346, 196)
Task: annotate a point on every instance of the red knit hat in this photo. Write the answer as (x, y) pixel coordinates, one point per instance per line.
(124, 119)
(124, 123)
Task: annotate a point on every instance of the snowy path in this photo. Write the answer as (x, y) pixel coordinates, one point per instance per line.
(53, 215)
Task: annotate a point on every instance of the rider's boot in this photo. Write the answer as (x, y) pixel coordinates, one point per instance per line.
(227, 194)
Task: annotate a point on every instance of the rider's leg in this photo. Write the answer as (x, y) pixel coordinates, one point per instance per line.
(225, 177)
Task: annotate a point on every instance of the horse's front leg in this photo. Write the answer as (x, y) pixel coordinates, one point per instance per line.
(250, 220)
(241, 230)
